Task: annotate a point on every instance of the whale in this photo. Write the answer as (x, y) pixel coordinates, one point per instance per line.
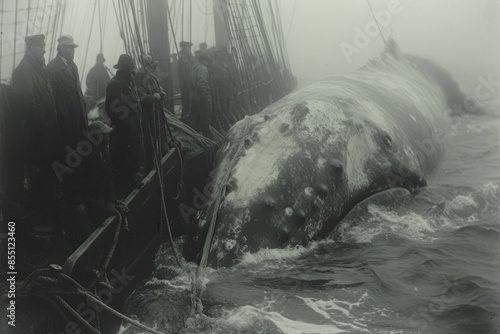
(288, 175)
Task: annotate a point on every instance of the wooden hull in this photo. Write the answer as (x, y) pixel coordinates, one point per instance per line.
(144, 231)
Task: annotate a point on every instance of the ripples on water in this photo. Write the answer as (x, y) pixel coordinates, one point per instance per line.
(426, 263)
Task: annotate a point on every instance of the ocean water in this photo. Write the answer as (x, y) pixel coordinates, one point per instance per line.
(427, 262)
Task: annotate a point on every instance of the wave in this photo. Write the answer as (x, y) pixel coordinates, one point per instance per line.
(424, 216)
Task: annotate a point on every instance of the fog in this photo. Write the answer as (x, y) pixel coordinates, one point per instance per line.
(462, 35)
(324, 37)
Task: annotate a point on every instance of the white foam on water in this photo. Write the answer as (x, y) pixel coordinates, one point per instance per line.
(467, 206)
(246, 316)
(331, 310)
(276, 254)
(131, 329)
(322, 306)
(462, 205)
(490, 193)
(184, 280)
(383, 220)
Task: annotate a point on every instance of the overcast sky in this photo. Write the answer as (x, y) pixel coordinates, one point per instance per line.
(331, 36)
(462, 35)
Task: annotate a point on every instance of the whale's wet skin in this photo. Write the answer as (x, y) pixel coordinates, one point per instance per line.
(410, 259)
(287, 175)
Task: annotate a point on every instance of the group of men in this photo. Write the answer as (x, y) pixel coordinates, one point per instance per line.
(72, 166)
(75, 167)
(54, 122)
(205, 87)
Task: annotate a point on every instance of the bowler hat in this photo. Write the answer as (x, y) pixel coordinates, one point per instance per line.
(184, 44)
(100, 56)
(66, 40)
(125, 63)
(35, 40)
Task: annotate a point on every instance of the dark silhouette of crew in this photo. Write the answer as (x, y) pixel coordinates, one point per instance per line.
(123, 107)
(97, 79)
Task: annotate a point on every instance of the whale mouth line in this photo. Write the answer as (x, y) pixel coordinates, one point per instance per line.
(379, 197)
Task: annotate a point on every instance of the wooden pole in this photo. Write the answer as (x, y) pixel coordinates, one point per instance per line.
(159, 46)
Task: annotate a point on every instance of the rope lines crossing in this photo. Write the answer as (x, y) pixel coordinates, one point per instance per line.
(52, 285)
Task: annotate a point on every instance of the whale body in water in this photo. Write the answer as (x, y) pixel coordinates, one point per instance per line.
(289, 174)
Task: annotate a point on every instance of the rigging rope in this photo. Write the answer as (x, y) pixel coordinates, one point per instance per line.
(27, 19)
(88, 42)
(15, 41)
(100, 27)
(376, 21)
(190, 26)
(52, 284)
(36, 17)
(172, 28)
(1, 39)
(291, 20)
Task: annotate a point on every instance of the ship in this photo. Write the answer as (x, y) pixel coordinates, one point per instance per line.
(52, 285)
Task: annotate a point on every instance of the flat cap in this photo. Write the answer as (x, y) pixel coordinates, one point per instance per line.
(35, 40)
(66, 40)
(184, 44)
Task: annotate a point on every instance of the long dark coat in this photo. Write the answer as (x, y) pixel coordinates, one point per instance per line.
(35, 100)
(96, 81)
(12, 154)
(185, 80)
(201, 113)
(72, 115)
(126, 141)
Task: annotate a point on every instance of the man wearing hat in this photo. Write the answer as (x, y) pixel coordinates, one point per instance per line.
(127, 141)
(202, 102)
(97, 79)
(65, 82)
(72, 118)
(186, 61)
(41, 133)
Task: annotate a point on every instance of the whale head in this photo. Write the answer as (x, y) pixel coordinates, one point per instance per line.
(290, 173)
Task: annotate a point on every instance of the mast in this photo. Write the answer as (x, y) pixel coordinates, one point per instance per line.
(159, 45)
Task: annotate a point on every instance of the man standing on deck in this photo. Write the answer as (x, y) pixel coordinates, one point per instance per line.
(41, 134)
(97, 79)
(65, 84)
(185, 66)
(72, 119)
(127, 141)
(202, 102)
